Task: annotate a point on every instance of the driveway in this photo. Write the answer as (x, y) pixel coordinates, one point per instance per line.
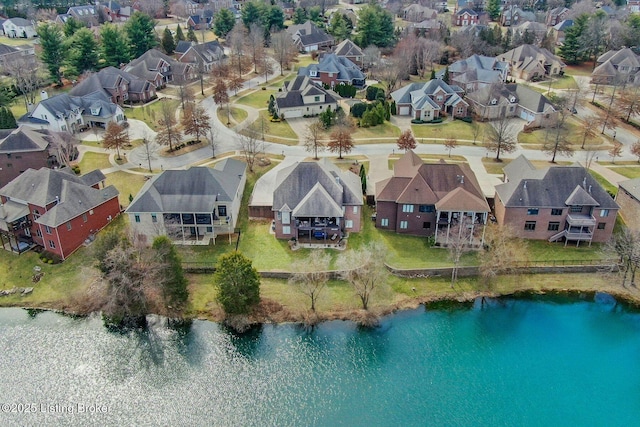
(300, 126)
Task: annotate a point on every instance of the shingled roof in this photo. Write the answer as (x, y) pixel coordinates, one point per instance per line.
(24, 139)
(297, 89)
(341, 67)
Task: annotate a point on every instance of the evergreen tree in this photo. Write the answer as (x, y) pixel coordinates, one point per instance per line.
(252, 13)
(168, 44)
(493, 9)
(53, 53)
(338, 27)
(72, 25)
(115, 48)
(300, 16)
(570, 50)
(375, 27)
(7, 121)
(83, 51)
(174, 286)
(139, 29)
(179, 34)
(445, 77)
(191, 36)
(238, 283)
(433, 74)
(223, 23)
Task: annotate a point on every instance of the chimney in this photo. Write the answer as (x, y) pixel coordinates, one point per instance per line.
(589, 189)
(30, 107)
(584, 182)
(525, 185)
(57, 200)
(44, 95)
(461, 179)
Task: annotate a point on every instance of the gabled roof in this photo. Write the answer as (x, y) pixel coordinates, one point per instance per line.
(299, 87)
(195, 190)
(209, 51)
(525, 97)
(41, 187)
(6, 49)
(553, 187)
(24, 139)
(308, 34)
(317, 203)
(526, 53)
(64, 105)
(467, 11)
(147, 65)
(631, 186)
(340, 66)
(347, 48)
(295, 182)
(563, 25)
(109, 78)
(623, 57)
(19, 22)
(183, 46)
(419, 94)
(462, 200)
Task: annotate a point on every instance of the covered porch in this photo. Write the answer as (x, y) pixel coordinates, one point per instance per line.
(196, 228)
(456, 225)
(314, 230)
(15, 227)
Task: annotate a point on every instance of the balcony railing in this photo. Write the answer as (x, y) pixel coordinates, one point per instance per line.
(581, 220)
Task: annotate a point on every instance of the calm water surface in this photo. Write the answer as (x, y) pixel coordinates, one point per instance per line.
(509, 362)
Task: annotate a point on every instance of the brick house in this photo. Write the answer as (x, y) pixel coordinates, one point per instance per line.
(351, 51)
(556, 15)
(25, 148)
(205, 55)
(556, 203)
(427, 101)
(301, 97)
(466, 17)
(316, 201)
(530, 62)
(160, 69)
(119, 85)
(308, 37)
(617, 65)
(333, 70)
(55, 209)
(477, 72)
(430, 199)
(628, 198)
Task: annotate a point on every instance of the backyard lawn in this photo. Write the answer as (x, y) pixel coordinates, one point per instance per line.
(447, 129)
(572, 129)
(258, 99)
(91, 161)
(630, 172)
(611, 189)
(126, 183)
(385, 131)
(150, 114)
(562, 82)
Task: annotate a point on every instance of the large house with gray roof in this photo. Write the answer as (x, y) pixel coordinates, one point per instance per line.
(55, 209)
(477, 72)
(67, 113)
(314, 202)
(351, 51)
(430, 100)
(190, 206)
(431, 200)
(307, 37)
(623, 65)
(19, 28)
(628, 198)
(559, 203)
(119, 85)
(160, 69)
(530, 62)
(513, 100)
(302, 97)
(333, 70)
(205, 55)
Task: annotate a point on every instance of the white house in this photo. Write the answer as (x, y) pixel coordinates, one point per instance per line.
(19, 27)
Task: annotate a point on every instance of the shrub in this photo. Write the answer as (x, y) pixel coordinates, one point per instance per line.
(465, 119)
(417, 121)
(437, 120)
(374, 93)
(357, 110)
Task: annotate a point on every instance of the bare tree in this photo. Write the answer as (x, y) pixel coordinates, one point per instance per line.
(221, 96)
(147, 148)
(212, 139)
(255, 41)
(250, 146)
(341, 141)
(450, 143)
(186, 95)
(284, 51)
(390, 71)
(265, 66)
(26, 74)
(501, 252)
(195, 121)
(235, 83)
(313, 142)
(635, 149)
(615, 151)
(628, 102)
(237, 43)
(371, 56)
(311, 275)
(115, 136)
(364, 269)
(168, 134)
(625, 245)
(560, 143)
(476, 130)
(458, 243)
(65, 147)
(502, 136)
(589, 130)
(406, 141)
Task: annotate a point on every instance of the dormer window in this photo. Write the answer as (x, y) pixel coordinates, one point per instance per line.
(95, 111)
(439, 98)
(494, 101)
(512, 99)
(313, 73)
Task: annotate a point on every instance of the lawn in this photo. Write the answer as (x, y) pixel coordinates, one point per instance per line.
(571, 131)
(258, 99)
(495, 168)
(542, 250)
(448, 129)
(238, 115)
(278, 129)
(630, 172)
(430, 158)
(304, 61)
(126, 183)
(584, 69)
(91, 161)
(150, 114)
(611, 189)
(384, 130)
(563, 82)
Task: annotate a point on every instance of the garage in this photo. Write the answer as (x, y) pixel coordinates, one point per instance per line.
(404, 110)
(290, 114)
(525, 115)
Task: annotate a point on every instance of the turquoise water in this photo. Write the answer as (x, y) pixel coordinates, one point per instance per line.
(509, 362)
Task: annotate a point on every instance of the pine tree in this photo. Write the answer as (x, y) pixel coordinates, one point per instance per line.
(570, 50)
(141, 34)
(83, 51)
(191, 36)
(493, 8)
(223, 23)
(445, 77)
(168, 44)
(53, 54)
(115, 49)
(7, 121)
(238, 283)
(433, 74)
(179, 35)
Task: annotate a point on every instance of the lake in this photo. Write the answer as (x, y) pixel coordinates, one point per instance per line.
(525, 362)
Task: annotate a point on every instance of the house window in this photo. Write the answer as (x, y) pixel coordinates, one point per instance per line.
(69, 225)
(407, 208)
(355, 209)
(426, 225)
(556, 212)
(439, 98)
(279, 216)
(460, 110)
(404, 225)
(532, 211)
(316, 99)
(47, 229)
(426, 208)
(286, 229)
(604, 213)
(313, 73)
(575, 209)
(553, 226)
(38, 233)
(529, 225)
(9, 165)
(52, 245)
(154, 218)
(601, 225)
(348, 223)
(384, 222)
(136, 218)
(84, 217)
(286, 217)
(222, 210)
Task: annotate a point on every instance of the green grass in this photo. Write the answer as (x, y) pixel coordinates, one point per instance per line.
(612, 189)
(563, 82)
(571, 131)
(628, 171)
(495, 168)
(542, 250)
(150, 114)
(126, 183)
(304, 61)
(238, 115)
(91, 161)
(384, 130)
(258, 99)
(278, 129)
(456, 128)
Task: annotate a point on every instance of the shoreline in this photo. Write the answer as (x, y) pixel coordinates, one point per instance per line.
(272, 312)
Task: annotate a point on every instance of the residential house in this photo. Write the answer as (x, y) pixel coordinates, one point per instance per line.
(431, 200)
(191, 206)
(513, 100)
(62, 18)
(67, 113)
(430, 100)
(307, 37)
(22, 56)
(617, 66)
(302, 97)
(26, 148)
(197, 22)
(110, 11)
(55, 209)
(512, 16)
(555, 203)
(537, 29)
(428, 28)
(288, 9)
(85, 13)
(466, 17)
(556, 16)
(477, 72)
(204, 55)
(119, 85)
(19, 28)
(351, 51)
(558, 31)
(2, 25)
(417, 13)
(316, 201)
(333, 70)
(530, 62)
(160, 69)
(182, 46)
(633, 6)
(628, 198)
